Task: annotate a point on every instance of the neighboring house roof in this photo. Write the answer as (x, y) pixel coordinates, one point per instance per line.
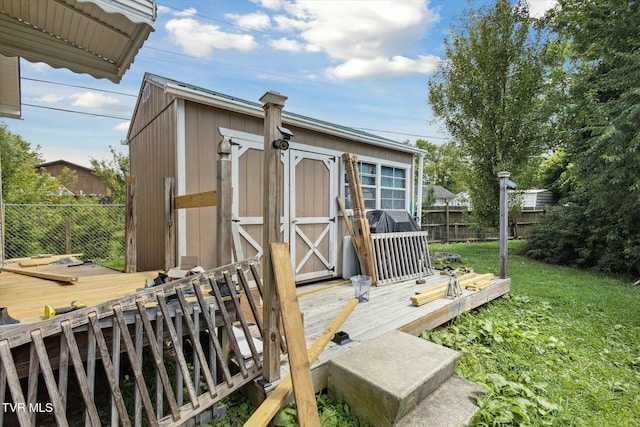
(98, 37)
(439, 191)
(64, 163)
(209, 97)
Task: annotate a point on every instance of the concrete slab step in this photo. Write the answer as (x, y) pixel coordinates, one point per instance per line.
(451, 405)
(384, 379)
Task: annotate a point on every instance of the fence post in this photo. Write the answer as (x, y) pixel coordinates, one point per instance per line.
(224, 238)
(67, 234)
(504, 222)
(169, 224)
(130, 254)
(272, 103)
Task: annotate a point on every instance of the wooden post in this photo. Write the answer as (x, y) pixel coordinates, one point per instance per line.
(504, 222)
(169, 224)
(224, 225)
(272, 103)
(131, 255)
(307, 409)
(446, 215)
(67, 235)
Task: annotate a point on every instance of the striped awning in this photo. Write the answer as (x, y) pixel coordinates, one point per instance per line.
(97, 37)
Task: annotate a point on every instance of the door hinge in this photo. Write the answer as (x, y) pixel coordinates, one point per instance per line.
(332, 219)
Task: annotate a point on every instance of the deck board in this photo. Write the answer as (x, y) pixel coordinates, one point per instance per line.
(25, 297)
(389, 308)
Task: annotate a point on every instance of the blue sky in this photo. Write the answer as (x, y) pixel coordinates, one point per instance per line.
(358, 63)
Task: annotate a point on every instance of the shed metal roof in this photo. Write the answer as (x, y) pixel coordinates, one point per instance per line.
(97, 37)
(209, 97)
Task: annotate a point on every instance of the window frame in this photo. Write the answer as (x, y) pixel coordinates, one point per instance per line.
(379, 164)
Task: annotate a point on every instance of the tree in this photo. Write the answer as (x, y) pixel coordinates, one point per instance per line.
(488, 91)
(444, 165)
(114, 174)
(21, 183)
(602, 118)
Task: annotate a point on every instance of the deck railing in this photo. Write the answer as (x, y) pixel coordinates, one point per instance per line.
(401, 256)
(183, 355)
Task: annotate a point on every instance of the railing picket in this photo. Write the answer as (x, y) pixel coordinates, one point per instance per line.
(159, 380)
(243, 322)
(242, 278)
(156, 352)
(213, 337)
(9, 368)
(87, 390)
(109, 370)
(177, 345)
(63, 371)
(91, 370)
(227, 324)
(32, 387)
(135, 365)
(137, 411)
(197, 348)
(49, 379)
(115, 351)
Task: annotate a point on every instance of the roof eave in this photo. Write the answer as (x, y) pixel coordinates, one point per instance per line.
(243, 107)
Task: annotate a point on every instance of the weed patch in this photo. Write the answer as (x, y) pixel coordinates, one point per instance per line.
(561, 349)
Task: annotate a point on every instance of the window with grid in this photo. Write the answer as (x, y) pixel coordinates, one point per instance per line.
(390, 183)
(392, 188)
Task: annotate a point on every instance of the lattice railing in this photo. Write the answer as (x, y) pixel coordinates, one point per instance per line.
(401, 256)
(160, 356)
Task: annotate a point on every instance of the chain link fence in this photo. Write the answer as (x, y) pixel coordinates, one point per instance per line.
(96, 231)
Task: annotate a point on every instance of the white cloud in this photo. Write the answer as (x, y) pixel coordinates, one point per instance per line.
(37, 67)
(286, 45)
(122, 127)
(50, 98)
(364, 29)
(383, 67)
(93, 100)
(176, 12)
(537, 8)
(253, 21)
(187, 12)
(200, 40)
(371, 39)
(270, 4)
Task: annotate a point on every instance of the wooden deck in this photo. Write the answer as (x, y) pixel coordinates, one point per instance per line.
(389, 308)
(25, 296)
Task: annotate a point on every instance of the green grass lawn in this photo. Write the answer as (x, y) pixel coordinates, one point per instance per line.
(563, 348)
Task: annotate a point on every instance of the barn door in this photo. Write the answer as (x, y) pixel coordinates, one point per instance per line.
(247, 181)
(312, 214)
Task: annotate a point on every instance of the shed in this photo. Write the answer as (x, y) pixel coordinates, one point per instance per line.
(536, 198)
(440, 195)
(175, 130)
(88, 182)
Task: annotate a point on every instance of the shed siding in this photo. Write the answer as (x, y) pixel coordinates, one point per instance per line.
(152, 158)
(202, 138)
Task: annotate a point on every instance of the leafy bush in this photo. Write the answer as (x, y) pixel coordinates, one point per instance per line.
(513, 397)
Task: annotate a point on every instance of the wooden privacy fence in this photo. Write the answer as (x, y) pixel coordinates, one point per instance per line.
(401, 256)
(178, 339)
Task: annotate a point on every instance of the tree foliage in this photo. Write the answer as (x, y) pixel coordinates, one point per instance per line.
(21, 182)
(444, 165)
(488, 92)
(602, 118)
(114, 174)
